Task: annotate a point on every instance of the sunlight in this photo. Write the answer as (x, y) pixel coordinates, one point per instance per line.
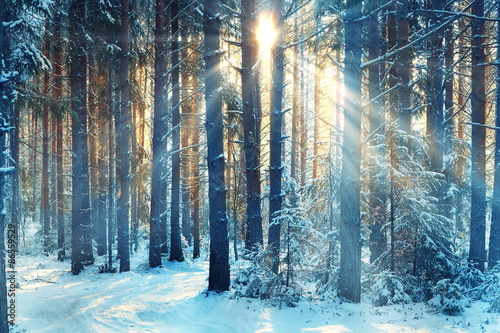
(266, 33)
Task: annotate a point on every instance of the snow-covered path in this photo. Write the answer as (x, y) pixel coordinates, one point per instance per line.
(172, 299)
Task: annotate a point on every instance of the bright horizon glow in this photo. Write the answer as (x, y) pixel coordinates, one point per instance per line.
(265, 33)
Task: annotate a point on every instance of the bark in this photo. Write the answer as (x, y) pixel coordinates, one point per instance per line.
(81, 224)
(158, 147)
(14, 151)
(350, 221)
(477, 252)
(111, 171)
(494, 247)
(377, 200)
(93, 153)
(123, 201)
(175, 230)
(275, 167)
(218, 277)
(57, 93)
(4, 327)
(251, 124)
(404, 70)
(45, 159)
(187, 109)
(295, 105)
(101, 164)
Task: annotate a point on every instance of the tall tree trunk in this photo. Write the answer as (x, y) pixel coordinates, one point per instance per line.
(57, 93)
(101, 162)
(295, 104)
(175, 229)
(45, 158)
(494, 247)
(111, 170)
(251, 123)
(275, 167)
(187, 109)
(124, 145)
(436, 99)
(477, 253)
(93, 153)
(448, 125)
(81, 242)
(158, 142)
(195, 192)
(404, 66)
(218, 276)
(14, 151)
(350, 221)
(377, 241)
(4, 326)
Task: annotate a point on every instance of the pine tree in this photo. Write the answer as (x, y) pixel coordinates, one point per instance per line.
(275, 167)
(81, 224)
(251, 123)
(477, 252)
(124, 144)
(218, 277)
(350, 220)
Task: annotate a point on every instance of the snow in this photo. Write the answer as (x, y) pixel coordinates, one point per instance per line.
(174, 299)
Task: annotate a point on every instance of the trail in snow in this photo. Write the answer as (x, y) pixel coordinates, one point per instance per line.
(172, 300)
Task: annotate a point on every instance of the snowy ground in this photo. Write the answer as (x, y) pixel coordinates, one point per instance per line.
(172, 299)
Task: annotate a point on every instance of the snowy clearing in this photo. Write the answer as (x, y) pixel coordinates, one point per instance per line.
(173, 299)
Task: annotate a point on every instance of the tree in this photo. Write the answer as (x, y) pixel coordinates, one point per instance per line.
(158, 133)
(477, 251)
(275, 167)
(81, 224)
(378, 241)
(350, 219)
(124, 144)
(494, 247)
(218, 277)
(175, 230)
(251, 123)
(57, 94)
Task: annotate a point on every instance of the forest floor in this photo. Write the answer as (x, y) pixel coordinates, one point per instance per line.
(174, 299)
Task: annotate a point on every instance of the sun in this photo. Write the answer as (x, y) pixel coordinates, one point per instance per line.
(266, 34)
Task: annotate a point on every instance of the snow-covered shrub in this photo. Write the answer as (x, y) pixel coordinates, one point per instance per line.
(488, 287)
(469, 278)
(388, 289)
(494, 305)
(447, 298)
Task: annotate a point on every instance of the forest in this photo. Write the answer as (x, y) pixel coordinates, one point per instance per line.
(316, 155)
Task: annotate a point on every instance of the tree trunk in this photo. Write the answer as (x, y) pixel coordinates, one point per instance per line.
(218, 277)
(45, 160)
(175, 229)
(111, 170)
(93, 153)
(187, 163)
(295, 104)
(494, 247)
(124, 145)
(477, 253)
(57, 93)
(158, 146)
(81, 225)
(251, 123)
(275, 167)
(377, 200)
(101, 163)
(350, 221)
